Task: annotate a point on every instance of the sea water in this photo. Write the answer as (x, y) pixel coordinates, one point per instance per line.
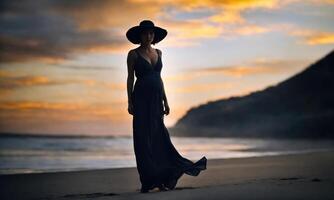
(29, 154)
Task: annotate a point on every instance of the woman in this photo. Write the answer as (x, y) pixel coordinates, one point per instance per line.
(158, 162)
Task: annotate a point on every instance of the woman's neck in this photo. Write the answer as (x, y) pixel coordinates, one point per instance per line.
(146, 47)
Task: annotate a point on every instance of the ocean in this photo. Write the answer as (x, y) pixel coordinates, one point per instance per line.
(29, 154)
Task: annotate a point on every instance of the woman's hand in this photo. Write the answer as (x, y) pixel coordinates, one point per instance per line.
(166, 108)
(130, 108)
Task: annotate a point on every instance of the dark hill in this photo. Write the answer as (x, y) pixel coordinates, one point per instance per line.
(301, 106)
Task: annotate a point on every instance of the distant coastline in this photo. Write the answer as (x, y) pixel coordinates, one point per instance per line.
(301, 106)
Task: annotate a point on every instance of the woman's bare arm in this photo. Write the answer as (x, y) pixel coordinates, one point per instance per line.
(164, 97)
(130, 79)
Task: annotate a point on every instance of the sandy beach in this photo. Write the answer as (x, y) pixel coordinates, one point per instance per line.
(294, 176)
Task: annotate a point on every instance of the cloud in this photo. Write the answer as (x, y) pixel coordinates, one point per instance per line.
(199, 88)
(68, 110)
(64, 118)
(9, 82)
(84, 67)
(232, 16)
(53, 31)
(33, 31)
(306, 35)
(226, 21)
(188, 32)
(192, 28)
(321, 38)
(108, 14)
(260, 66)
(251, 29)
(313, 37)
(189, 5)
(322, 1)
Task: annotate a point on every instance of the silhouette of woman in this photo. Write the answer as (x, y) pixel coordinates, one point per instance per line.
(158, 162)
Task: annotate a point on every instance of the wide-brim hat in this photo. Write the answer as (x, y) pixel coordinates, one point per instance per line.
(133, 34)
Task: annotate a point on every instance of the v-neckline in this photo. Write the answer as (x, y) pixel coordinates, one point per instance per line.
(152, 66)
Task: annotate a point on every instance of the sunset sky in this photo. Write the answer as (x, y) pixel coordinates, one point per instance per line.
(63, 63)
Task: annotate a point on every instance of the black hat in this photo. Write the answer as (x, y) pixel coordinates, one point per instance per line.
(133, 34)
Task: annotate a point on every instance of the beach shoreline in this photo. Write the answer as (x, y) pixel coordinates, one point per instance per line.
(232, 177)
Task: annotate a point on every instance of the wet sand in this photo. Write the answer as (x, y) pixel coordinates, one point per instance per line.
(295, 176)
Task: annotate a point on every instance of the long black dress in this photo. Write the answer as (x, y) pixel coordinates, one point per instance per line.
(158, 162)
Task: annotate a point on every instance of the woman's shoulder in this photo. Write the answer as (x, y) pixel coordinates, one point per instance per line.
(159, 52)
(132, 53)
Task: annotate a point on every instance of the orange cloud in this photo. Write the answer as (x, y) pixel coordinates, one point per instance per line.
(228, 17)
(255, 67)
(188, 32)
(259, 67)
(197, 88)
(240, 71)
(108, 85)
(320, 38)
(68, 111)
(312, 37)
(100, 26)
(190, 5)
(64, 118)
(251, 29)
(322, 1)
(183, 76)
(193, 29)
(10, 81)
(106, 15)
